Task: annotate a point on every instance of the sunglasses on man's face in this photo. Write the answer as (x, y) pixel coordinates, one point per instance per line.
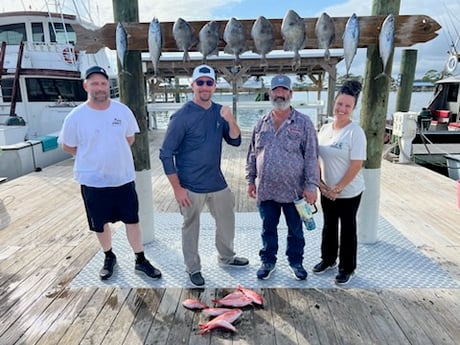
(207, 82)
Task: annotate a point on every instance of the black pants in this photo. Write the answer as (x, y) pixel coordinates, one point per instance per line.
(340, 212)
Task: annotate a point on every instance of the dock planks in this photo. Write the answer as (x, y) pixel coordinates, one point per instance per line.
(44, 244)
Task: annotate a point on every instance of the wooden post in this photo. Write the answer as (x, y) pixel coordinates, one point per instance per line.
(374, 105)
(132, 93)
(407, 75)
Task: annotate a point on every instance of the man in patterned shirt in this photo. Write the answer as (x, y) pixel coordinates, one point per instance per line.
(281, 166)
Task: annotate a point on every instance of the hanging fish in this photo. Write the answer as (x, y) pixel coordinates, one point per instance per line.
(121, 41)
(184, 36)
(209, 40)
(235, 37)
(293, 30)
(350, 40)
(325, 33)
(386, 42)
(263, 37)
(155, 43)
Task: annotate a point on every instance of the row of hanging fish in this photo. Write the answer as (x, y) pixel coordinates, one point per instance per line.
(293, 32)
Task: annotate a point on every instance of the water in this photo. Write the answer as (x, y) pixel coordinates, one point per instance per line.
(247, 117)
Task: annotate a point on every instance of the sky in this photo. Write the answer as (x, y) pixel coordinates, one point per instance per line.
(430, 55)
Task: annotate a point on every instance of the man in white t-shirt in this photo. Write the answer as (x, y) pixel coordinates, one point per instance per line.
(99, 133)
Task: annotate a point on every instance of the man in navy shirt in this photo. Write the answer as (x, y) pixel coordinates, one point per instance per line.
(191, 157)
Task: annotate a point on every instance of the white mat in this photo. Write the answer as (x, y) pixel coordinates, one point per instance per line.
(393, 262)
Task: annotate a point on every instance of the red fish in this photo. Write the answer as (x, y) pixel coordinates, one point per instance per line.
(234, 299)
(224, 320)
(215, 311)
(191, 303)
(207, 327)
(256, 298)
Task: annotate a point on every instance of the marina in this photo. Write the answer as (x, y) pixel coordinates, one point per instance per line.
(407, 286)
(46, 247)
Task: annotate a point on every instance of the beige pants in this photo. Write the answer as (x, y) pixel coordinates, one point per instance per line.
(221, 205)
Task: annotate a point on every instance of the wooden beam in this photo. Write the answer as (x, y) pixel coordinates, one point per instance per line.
(410, 29)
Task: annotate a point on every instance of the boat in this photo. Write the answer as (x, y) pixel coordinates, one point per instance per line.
(439, 121)
(40, 83)
(430, 137)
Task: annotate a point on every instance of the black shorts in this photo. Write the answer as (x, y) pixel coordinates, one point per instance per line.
(110, 205)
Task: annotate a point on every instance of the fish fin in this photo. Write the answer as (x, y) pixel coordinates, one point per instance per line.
(194, 42)
(296, 61)
(286, 46)
(304, 43)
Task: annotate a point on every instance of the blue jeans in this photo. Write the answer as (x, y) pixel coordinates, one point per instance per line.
(270, 212)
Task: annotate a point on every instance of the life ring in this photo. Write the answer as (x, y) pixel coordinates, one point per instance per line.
(452, 63)
(68, 54)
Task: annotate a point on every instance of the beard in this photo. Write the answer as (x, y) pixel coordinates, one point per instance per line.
(204, 96)
(100, 96)
(281, 103)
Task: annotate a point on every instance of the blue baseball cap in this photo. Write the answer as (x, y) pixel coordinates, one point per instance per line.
(96, 69)
(281, 80)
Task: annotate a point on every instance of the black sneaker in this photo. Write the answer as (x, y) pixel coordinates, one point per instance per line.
(343, 278)
(147, 268)
(323, 267)
(265, 271)
(235, 262)
(299, 272)
(196, 278)
(107, 270)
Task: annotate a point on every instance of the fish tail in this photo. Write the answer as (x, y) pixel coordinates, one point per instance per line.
(296, 61)
(186, 56)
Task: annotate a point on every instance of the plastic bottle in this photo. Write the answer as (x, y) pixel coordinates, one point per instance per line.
(305, 213)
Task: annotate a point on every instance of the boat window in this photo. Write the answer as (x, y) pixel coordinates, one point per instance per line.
(6, 85)
(53, 90)
(13, 33)
(114, 89)
(452, 93)
(61, 34)
(37, 32)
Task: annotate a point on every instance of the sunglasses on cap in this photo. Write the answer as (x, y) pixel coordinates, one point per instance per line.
(202, 82)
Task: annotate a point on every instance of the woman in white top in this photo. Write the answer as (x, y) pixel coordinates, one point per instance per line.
(342, 150)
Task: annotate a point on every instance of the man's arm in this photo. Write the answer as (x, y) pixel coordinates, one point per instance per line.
(69, 149)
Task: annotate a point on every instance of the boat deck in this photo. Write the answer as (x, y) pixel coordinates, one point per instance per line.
(406, 291)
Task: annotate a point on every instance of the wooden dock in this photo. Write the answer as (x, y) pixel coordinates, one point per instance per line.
(44, 244)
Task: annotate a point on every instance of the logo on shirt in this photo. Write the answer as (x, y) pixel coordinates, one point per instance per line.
(337, 145)
(116, 122)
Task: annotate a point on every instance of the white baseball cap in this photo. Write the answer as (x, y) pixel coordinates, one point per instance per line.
(203, 71)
